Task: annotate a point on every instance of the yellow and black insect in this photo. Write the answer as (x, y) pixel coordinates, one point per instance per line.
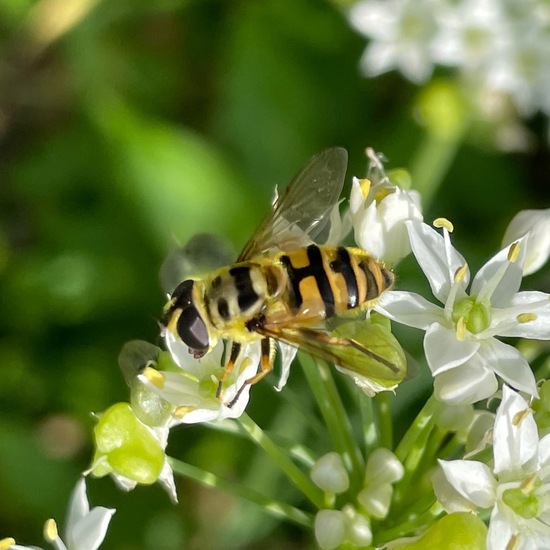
(284, 286)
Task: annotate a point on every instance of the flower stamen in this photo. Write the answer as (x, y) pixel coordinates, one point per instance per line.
(50, 530)
(443, 223)
(513, 252)
(513, 543)
(520, 416)
(528, 484)
(526, 317)
(461, 330)
(6, 543)
(155, 377)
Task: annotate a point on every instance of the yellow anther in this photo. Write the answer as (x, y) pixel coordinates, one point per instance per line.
(514, 251)
(461, 273)
(526, 317)
(365, 184)
(180, 412)
(155, 377)
(519, 416)
(528, 484)
(50, 530)
(461, 330)
(513, 543)
(383, 193)
(6, 543)
(444, 222)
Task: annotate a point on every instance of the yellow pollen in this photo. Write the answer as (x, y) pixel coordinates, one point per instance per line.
(513, 543)
(461, 273)
(444, 222)
(50, 530)
(526, 317)
(6, 543)
(513, 253)
(519, 416)
(180, 412)
(528, 484)
(365, 184)
(460, 330)
(155, 377)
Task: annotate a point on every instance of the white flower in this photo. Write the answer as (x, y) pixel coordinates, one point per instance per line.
(85, 528)
(535, 224)
(378, 212)
(401, 33)
(460, 345)
(517, 487)
(193, 389)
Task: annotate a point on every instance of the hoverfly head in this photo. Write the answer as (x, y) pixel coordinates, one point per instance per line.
(183, 314)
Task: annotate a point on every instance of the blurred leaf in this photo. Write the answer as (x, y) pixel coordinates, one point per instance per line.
(177, 182)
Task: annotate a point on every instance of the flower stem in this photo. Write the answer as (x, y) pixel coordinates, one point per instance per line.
(423, 421)
(274, 508)
(320, 379)
(282, 460)
(385, 427)
(370, 425)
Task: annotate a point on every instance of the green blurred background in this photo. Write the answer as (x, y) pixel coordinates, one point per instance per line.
(139, 124)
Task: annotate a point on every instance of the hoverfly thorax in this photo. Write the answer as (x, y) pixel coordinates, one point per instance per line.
(184, 315)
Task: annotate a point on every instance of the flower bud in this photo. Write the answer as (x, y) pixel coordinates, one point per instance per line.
(330, 474)
(330, 528)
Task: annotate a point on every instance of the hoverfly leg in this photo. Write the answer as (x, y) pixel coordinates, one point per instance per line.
(235, 350)
(266, 366)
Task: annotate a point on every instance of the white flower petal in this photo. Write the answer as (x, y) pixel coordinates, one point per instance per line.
(544, 451)
(501, 529)
(288, 353)
(78, 505)
(515, 434)
(448, 496)
(528, 302)
(444, 351)
(466, 384)
(90, 531)
(409, 309)
(509, 364)
(510, 282)
(472, 479)
(428, 247)
(536, 225)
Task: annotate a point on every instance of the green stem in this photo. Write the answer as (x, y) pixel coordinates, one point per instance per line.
(320, 379)
(416, 521)
(385, 427)
(282, 460)
(279, 510)
(370, 425)
(422, 422)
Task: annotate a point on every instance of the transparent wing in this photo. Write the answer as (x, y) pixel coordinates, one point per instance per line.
(302, 212)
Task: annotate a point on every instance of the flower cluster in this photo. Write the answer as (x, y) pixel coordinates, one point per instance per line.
(499, 47)
(368, 491)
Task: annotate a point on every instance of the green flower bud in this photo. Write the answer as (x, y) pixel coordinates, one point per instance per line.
(459, 531)
(125, 446)
(523, 504)
(476, 315)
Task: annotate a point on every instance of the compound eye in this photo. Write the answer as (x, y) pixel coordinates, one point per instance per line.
(192, 330)
(182, 293)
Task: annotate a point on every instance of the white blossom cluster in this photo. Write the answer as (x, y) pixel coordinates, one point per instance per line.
(498, 46)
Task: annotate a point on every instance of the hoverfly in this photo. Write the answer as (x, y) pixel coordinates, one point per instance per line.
(283, 285)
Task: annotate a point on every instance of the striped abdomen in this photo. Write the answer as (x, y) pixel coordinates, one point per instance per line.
(324, 281)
